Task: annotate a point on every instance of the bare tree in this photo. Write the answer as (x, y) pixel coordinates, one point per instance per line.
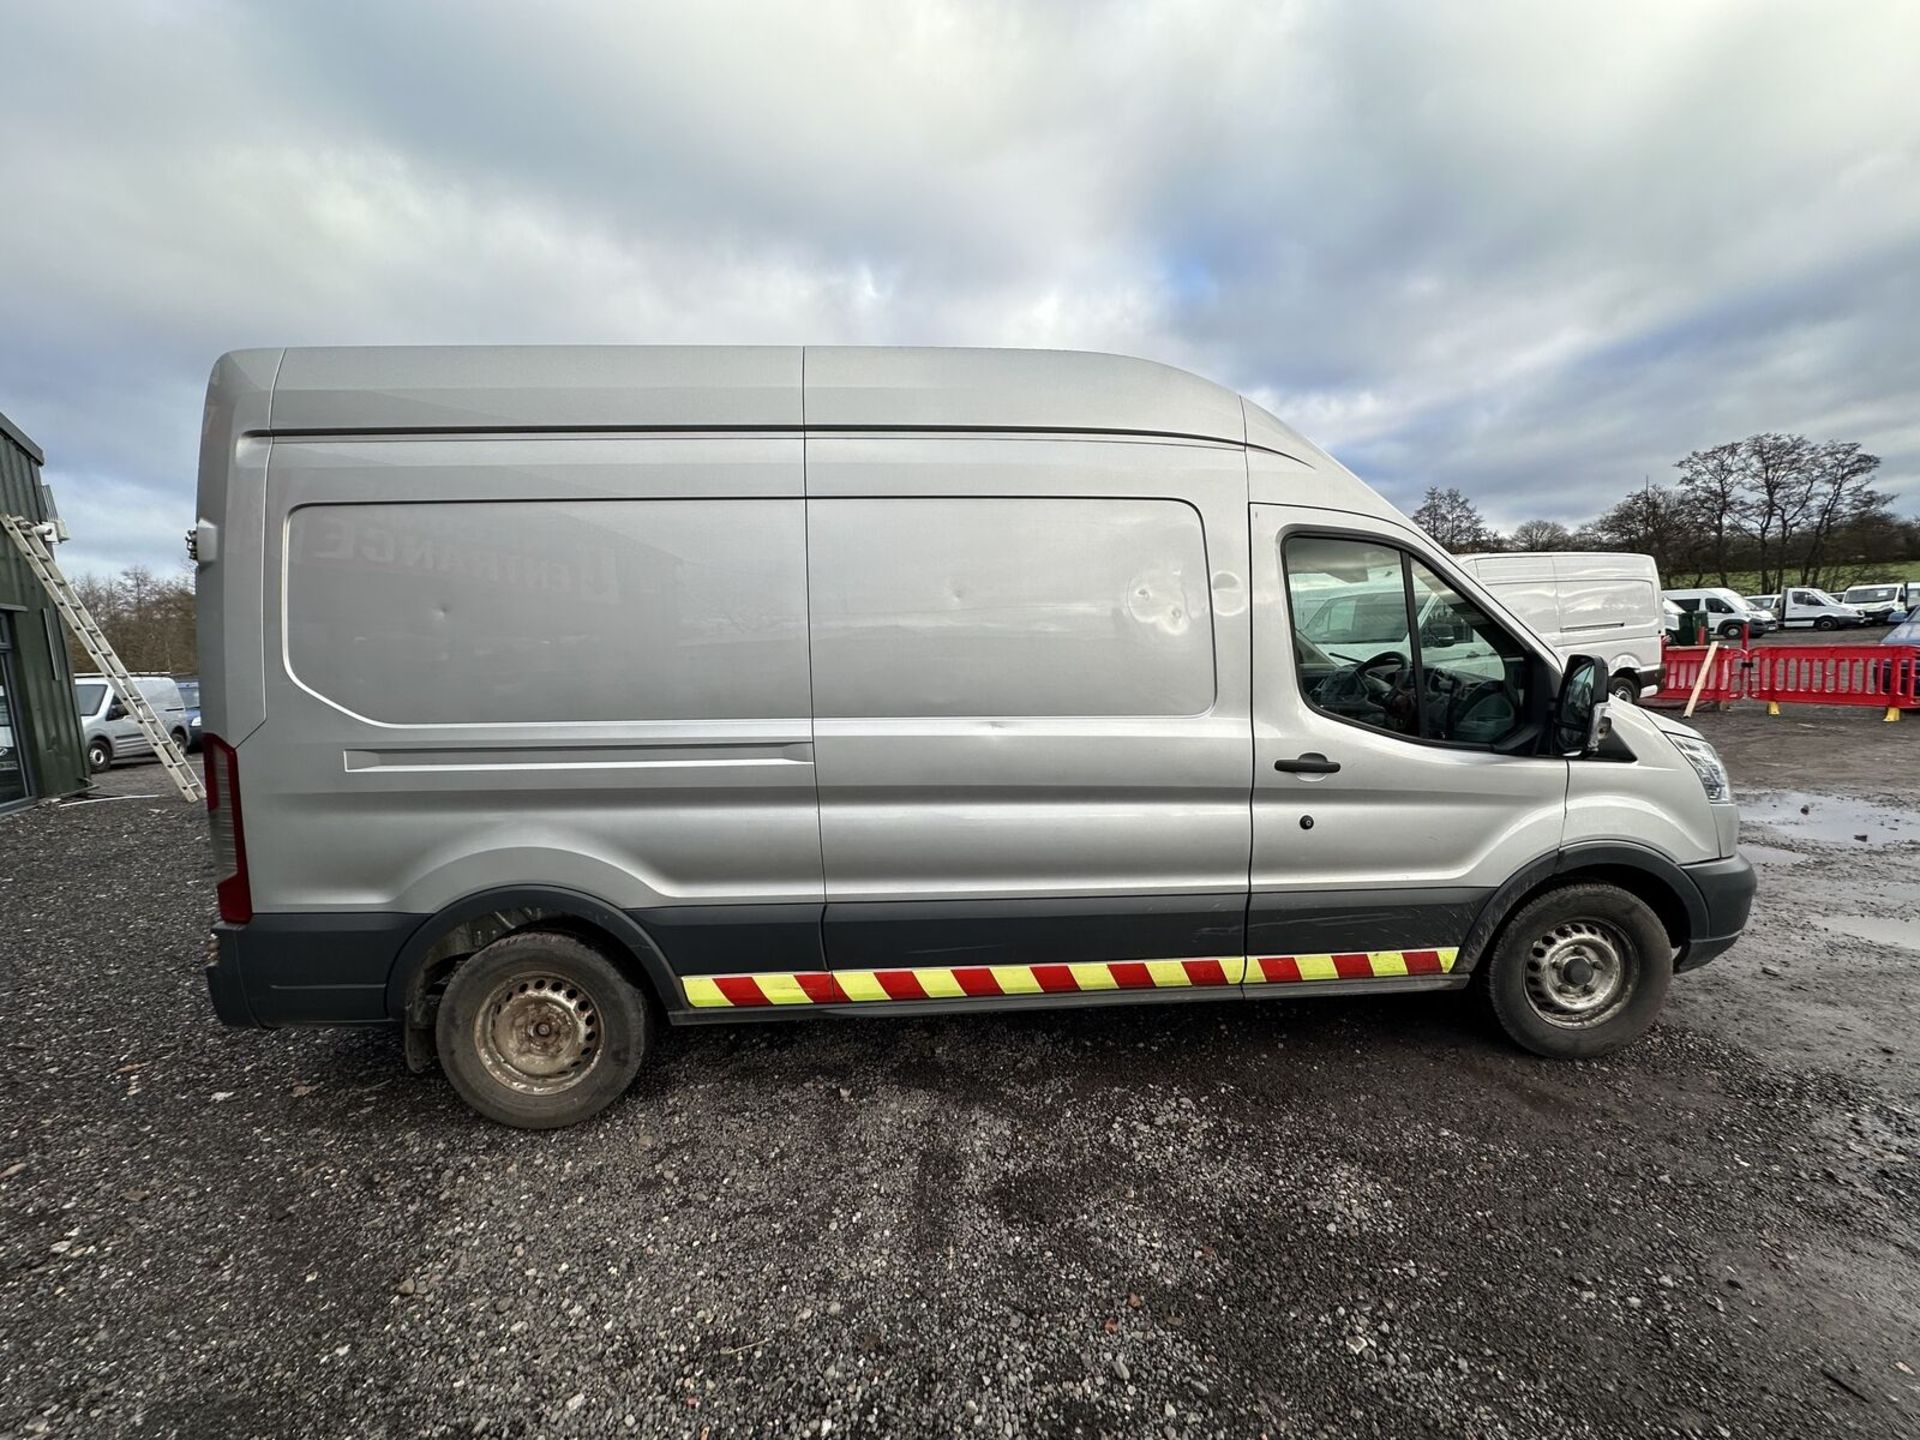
(148, 619)
(1841, 495)
(1657, 521)
(1540, 535)
(1778, 484)
(1714, 481)
(1453, 521)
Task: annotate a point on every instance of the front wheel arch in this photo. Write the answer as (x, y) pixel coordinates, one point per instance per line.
(1645, 874)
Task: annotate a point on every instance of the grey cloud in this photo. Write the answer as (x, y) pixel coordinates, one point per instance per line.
(1533, 251)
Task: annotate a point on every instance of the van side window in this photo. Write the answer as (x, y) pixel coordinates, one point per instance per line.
(988, 606)
(1426, 663)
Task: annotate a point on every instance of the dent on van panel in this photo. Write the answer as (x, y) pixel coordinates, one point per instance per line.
(958, 606)
(554, 612)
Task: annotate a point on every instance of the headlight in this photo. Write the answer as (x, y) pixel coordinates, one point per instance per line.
(1706, 764)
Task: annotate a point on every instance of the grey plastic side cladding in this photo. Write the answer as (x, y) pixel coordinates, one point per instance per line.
(1600, 855)
(409, 963)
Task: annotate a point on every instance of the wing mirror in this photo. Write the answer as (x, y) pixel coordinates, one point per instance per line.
(1580, 710)
(116, 711)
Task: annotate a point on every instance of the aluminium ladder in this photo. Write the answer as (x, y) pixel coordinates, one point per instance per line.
(30, 540)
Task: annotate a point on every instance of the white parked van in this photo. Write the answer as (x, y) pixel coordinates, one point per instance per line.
(1727, 613)
(1883, 604)
(111, 733)
(552, 694)
(1587, 602)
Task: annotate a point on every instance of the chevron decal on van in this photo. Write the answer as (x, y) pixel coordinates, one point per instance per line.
(979, 982)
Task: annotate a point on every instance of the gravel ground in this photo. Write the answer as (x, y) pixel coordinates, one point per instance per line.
(1320, 1218)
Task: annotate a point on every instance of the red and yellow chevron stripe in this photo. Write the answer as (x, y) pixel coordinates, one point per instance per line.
(855, 987)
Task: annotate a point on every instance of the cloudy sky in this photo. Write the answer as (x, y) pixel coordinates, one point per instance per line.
(1535, 251)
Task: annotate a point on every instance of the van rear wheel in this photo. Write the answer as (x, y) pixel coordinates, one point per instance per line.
(539, 1030)
(1579, 971)
(99, 756)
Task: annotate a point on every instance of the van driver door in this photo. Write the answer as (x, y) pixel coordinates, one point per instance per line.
(1385, 810)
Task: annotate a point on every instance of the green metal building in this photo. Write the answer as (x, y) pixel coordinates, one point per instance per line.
(40, 748)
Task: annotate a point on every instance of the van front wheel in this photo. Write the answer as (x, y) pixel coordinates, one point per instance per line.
(99, 756)
(1625, 687)
(1579, 971)
(540, 1030)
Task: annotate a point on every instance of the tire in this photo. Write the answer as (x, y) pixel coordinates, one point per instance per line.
(1545, 1003)
(1730, 630)
(99, 757)
(180, 741)
(603, 1030)
(1625, 687)
(1825, 622)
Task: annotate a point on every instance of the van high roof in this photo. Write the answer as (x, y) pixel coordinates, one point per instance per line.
(521, 388)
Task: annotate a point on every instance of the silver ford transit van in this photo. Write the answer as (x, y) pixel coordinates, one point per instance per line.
(551, 694)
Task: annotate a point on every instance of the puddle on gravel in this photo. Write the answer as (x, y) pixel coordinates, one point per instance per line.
(1874, 929)
(1831, 819)
(1771, 854)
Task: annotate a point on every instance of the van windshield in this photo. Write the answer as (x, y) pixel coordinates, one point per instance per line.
(89, 697)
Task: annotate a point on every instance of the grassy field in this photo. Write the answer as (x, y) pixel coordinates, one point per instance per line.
(1747, 582)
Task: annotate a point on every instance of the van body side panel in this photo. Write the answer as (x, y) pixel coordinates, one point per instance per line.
(1030, 679)
(447, 388)
(576, 663)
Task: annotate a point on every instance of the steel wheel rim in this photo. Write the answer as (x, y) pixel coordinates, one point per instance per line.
(1579, 974)
(538, 1034)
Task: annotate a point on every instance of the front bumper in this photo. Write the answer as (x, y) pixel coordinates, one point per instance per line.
(1726, 889)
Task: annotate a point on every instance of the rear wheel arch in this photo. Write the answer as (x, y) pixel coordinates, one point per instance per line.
(439, 944)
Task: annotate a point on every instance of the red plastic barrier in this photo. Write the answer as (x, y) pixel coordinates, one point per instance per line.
(1684, 662)
(1883, 676)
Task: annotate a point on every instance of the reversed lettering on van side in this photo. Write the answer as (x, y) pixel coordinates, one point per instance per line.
(510, 612)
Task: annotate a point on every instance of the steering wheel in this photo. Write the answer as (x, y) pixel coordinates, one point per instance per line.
(1377, 689)
(1361, 684)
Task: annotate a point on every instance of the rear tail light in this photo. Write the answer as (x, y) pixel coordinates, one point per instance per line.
(229, 834)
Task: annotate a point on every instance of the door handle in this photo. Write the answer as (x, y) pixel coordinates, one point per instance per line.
(1309, 764)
